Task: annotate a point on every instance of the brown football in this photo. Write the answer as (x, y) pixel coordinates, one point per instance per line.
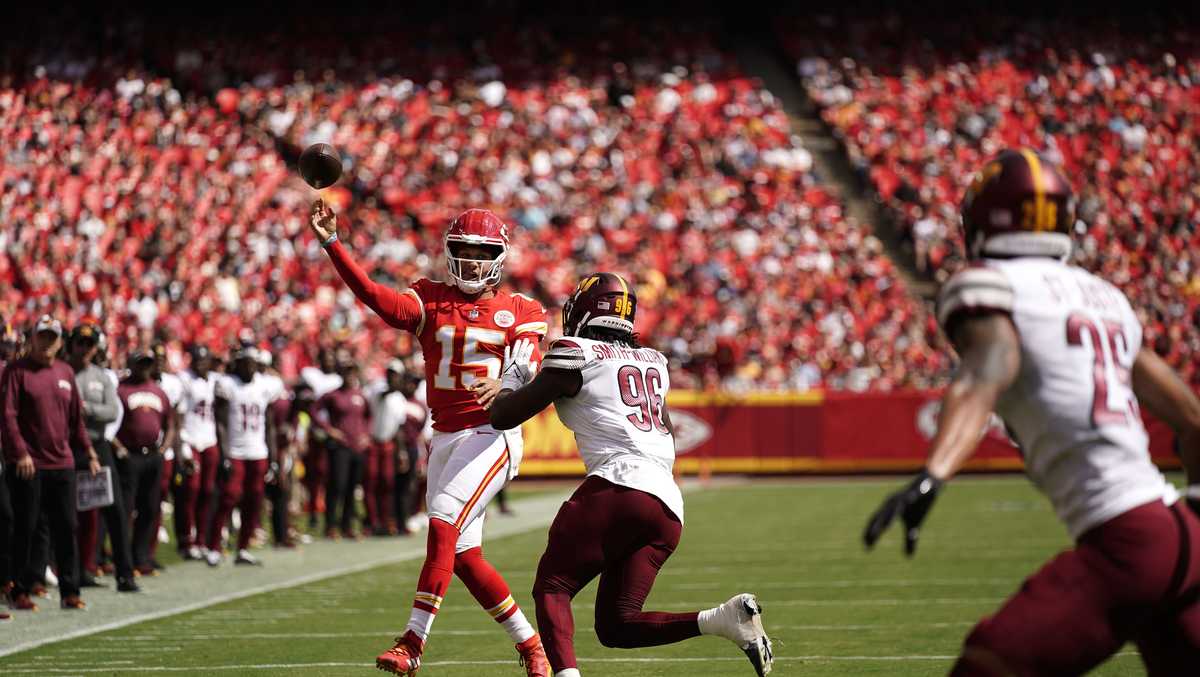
(320, 165)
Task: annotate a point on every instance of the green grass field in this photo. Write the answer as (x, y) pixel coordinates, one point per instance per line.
(831, 608)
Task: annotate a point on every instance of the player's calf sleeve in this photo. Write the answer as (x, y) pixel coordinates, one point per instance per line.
(489, 589)
(435, 576)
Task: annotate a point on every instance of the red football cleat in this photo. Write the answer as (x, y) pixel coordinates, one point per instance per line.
(403, 659)
(39, 590)
(73, 602)
(5, 617)
(533, 657)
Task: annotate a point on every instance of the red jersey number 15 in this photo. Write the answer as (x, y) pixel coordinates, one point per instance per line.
(462, 347)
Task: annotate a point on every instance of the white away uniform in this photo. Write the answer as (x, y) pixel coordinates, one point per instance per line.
(199, 430)
(172, 385)
(617, 416)
(1071, 410)
(247, 422)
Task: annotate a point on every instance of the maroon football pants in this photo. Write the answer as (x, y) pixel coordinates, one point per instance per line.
(1133, 578)
(624, 536)
(194, 498)
(243, 488)
(379, 480)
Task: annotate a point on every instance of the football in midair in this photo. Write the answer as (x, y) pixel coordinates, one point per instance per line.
(320, 165)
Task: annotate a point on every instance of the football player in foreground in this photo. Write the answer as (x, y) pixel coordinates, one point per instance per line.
(464, 329)
(625, 520)
(1057, 353)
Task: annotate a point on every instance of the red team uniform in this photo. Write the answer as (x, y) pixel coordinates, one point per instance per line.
(463, 333)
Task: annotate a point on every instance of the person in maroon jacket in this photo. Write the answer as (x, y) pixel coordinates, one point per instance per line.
(43, 430)
(344, 416)
(147, 431)
(9, 341)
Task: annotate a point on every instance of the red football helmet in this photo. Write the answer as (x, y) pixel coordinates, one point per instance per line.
(602, 300)
(1018, 205)
(478, 227)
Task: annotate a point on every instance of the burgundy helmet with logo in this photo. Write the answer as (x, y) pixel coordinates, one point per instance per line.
(1019, 204)
(602, 300)
(476, 227)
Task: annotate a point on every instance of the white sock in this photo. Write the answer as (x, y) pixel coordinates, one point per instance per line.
(510, 616)
(425, 606)
(518, 627)
(569, 672)
(420, 623)
(707, 621)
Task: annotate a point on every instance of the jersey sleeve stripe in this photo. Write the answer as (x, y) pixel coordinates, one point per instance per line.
(974, 289)
(569, 365)
(564, 357)
(975, 298)
(539, 328)
(415, 295)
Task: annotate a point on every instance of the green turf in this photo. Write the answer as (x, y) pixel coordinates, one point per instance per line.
(829, 606)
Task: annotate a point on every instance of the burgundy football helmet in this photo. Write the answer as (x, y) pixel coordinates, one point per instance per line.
(602, 300)
(482, 228)
(1018, 205)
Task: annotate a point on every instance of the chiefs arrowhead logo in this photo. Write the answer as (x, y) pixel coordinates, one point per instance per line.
(690, 431)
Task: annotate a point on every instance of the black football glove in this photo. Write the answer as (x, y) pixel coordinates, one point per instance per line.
(912, 503)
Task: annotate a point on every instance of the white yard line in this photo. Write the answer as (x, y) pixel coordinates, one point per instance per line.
(851, 583)
(771, 627)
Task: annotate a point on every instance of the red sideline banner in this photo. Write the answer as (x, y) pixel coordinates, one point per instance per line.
(798, 433)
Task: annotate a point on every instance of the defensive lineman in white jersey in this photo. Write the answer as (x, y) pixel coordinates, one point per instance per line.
(625, 520)
(1057, 352)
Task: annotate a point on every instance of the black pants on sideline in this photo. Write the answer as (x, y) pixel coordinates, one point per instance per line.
(6, 531)
(345, 473)
(279, 493)
(141, 486)
(39, 550)
(403, 494)
(52, 493)
(115, 516)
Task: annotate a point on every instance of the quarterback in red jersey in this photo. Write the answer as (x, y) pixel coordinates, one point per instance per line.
(464, 328)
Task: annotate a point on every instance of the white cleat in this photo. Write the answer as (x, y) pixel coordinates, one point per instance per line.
(213, 557)
(244, 558)
(740, 621)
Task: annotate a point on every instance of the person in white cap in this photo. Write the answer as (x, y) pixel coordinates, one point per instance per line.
(42, 424)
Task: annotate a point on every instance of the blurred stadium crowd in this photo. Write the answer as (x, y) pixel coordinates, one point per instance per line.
(919, 105)
(155, 197)
(146, 179)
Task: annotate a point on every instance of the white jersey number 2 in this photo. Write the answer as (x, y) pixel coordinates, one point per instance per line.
(1110, 350)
